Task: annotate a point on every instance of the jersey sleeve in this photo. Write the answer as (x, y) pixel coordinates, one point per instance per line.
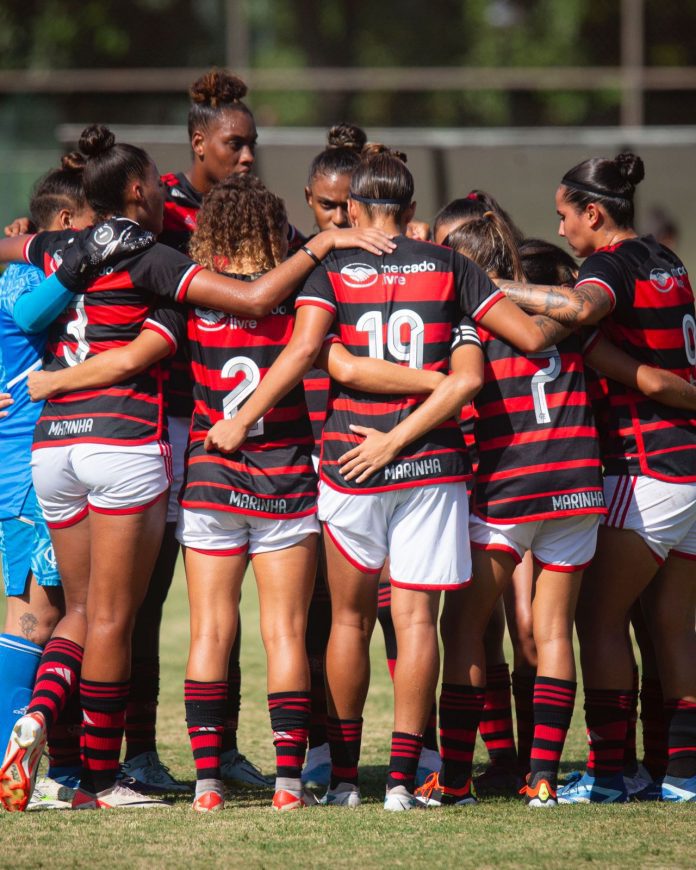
(464, 333)
(604, 269)
(16, 280)
(164, 271)
(317, 290)
(40, 248)
(476, 292)
(168, 320)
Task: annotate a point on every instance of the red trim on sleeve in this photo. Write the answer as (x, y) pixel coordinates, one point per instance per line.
(25, 249)
(163, 332)
(316, 301)
(487, 304)
(185, 282)
(603, 285)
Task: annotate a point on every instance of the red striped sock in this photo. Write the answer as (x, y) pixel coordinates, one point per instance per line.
(554, 701)
(496, 718)
(653, 718)
(345, 736)
(630, 756)
(681, 748)
(57, 678)
(523, 691)
(65, 737)
(104, 711)
(141, 712)
(405, 752)
(290, 723)
(205, 704)
(606, 715)
(460, 714)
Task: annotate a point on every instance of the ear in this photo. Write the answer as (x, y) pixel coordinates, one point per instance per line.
(136, 191)
(198, 144)
(353, 212)
(594, 215)
(64, 218)
(308, 196)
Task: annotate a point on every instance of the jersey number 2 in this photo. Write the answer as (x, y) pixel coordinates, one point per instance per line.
(251, 378)
(540, 379)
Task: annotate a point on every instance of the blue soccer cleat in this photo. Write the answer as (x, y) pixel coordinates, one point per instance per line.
(594, 790)
(678, 789)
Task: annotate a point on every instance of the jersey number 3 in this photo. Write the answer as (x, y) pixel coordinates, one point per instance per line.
(251, 378)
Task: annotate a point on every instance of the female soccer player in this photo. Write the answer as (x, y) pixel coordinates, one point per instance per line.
(639, 294)
(32, 583)
(222, 133)
(100, 462)
(375, 495)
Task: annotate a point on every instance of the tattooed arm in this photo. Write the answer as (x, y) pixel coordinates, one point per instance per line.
(571, 306)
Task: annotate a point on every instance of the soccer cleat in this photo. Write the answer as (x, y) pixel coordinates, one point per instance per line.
(50, 794)
(429, 762)
(398, 799)
(21, 762)
(346, 794)
(237, 768)
(208, 802)
(433, 794)
(317, 769)
(540, 790)
(117, 797)
(284, 800)
(679, 789)
(498, 781)
(146, 773)
(594, 790)
(637, 780)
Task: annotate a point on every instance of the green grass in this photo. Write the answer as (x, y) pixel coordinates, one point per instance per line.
(496, 833)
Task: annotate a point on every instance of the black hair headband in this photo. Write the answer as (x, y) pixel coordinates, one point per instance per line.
(369, 200)
(594, 191)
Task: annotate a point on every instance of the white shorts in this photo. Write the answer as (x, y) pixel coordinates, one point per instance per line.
(178, 439)
(661, 512)
(71, 479)
(566, 544)
(225, 533)
(423, 530)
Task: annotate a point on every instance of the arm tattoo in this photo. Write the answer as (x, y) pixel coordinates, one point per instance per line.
(553, 330)
(569, 305)
(28, 623)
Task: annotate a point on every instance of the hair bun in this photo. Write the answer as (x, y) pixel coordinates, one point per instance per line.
(373, 149)
(217, 87)
(95, 140)
(73, 162)
(630, 167)
(346, 136)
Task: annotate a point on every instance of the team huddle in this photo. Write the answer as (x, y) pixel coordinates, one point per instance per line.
(450, 432)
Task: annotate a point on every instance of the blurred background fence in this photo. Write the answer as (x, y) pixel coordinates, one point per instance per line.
(504, 95)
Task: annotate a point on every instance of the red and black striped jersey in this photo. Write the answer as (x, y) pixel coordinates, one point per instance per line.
(316, 385)
(181, 205)
(653, 320)
(271, 475)
(401, 307)
(538, 453)
(108, 314)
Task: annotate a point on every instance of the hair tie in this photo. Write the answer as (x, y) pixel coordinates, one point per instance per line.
(368, 200)
(473, 196)
(594, 191)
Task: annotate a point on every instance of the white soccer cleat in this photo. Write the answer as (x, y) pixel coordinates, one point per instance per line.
(118, 797)
(22, 757)
(346, 794)
(399, 799)
(149, 775)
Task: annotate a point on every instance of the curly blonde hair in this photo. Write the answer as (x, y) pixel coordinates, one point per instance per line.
(240, 221)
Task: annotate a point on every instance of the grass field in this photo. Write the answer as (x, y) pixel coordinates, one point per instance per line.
(496, 833)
